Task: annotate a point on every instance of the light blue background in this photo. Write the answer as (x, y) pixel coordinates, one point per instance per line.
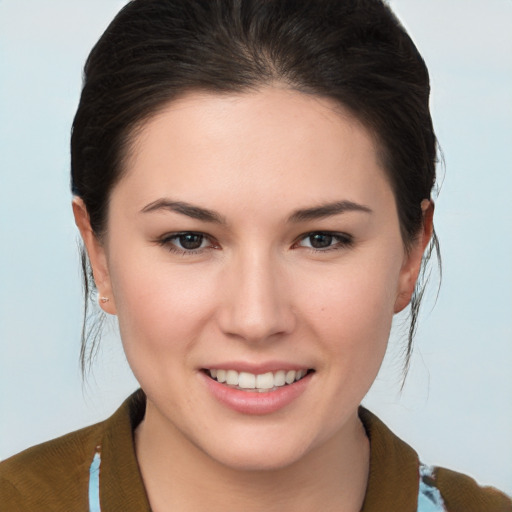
(456, 407)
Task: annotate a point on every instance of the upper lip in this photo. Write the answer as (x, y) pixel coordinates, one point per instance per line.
(256, 368)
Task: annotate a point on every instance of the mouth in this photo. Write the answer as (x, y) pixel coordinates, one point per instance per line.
(261, 383)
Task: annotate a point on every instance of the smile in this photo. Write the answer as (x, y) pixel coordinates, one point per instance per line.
(265, 382)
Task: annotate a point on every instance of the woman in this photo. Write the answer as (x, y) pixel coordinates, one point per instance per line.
(252, 183)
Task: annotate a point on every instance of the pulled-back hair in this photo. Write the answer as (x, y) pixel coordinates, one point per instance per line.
(355, 52)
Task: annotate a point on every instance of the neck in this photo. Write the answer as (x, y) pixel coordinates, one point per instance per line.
(333, 476)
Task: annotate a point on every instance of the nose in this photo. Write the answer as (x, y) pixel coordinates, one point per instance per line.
(256, 302)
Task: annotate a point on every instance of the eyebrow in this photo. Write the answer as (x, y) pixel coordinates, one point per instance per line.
(327, 210)
(306, 214)
(195, 212)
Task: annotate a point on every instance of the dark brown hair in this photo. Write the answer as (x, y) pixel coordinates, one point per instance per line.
(355, 52)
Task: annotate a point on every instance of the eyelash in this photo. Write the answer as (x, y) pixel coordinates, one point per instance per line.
(343, 241)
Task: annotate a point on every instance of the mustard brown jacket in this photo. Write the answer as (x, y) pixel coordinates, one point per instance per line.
(60, 475)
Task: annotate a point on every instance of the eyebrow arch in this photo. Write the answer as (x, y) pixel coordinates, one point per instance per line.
(327, 210)
(195, 212)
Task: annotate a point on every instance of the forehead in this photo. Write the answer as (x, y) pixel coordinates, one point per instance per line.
(207, 143)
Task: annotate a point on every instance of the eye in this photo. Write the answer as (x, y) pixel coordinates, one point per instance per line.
(325, 241)
(187, 242)
(190, 241)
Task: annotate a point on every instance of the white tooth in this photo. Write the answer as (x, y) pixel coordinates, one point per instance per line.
(221, 375)
(247, 380)
(300, 374)
(265, 381)
(280, 378)
(290, 376)
(232, 377)
(213, 373)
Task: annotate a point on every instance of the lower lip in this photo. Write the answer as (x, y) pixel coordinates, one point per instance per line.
(251, 402)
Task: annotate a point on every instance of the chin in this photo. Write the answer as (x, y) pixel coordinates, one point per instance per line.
(258, 459)
(269, 449)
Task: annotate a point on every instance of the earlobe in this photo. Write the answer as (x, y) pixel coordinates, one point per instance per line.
(412, 262)
(97, 256)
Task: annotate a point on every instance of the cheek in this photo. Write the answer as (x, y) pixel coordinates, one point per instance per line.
(161, 307)
(354, 310)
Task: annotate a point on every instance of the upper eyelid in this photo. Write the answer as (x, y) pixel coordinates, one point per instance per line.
(335, 234)
(174, 234)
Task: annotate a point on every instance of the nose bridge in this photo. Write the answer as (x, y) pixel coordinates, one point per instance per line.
(256, 302)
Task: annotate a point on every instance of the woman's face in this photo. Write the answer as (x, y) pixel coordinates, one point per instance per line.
(254, 237)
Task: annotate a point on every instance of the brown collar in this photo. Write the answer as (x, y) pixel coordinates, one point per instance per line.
(392, 485)
(393, 482)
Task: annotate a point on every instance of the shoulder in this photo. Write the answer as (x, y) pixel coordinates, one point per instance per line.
(399, 481)
(56, 476)
(461, 493)
(56, 470)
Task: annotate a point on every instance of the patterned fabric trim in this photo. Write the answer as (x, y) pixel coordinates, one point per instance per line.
(94, 483)
(429, 497)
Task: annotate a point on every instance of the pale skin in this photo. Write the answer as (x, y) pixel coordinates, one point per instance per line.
(299, 260)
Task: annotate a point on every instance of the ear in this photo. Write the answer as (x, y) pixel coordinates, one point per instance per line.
(97, 256)
(412, 261)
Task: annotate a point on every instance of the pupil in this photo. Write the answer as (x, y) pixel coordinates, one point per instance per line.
(320, 241)
(191, 241)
